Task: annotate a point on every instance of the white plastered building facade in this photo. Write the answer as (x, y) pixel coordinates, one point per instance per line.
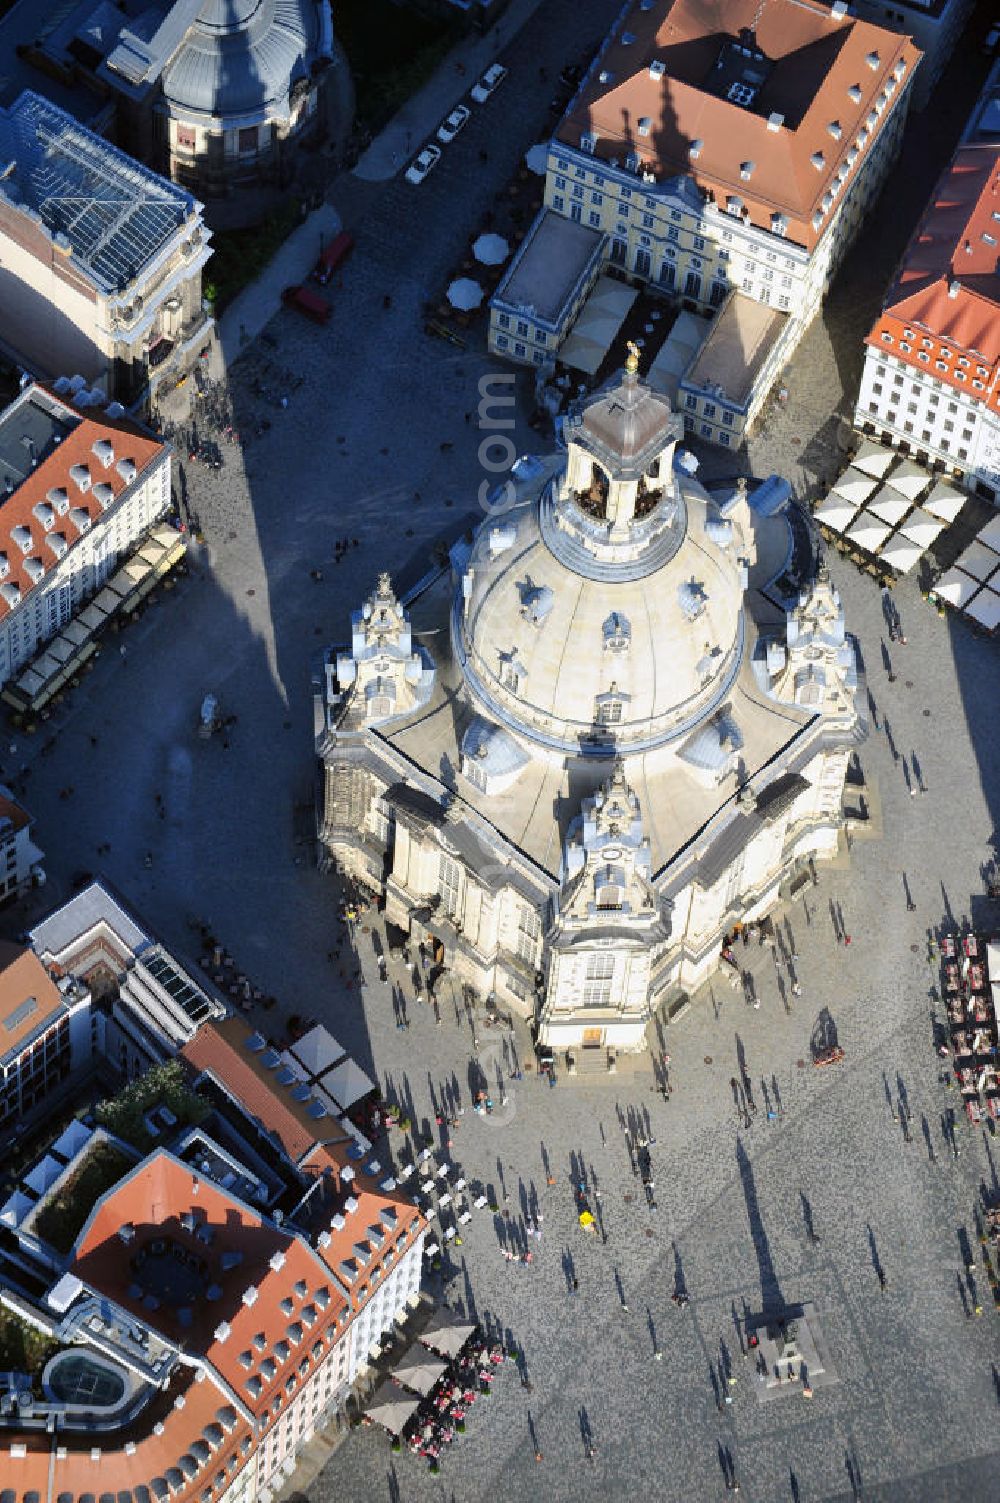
(624, 721)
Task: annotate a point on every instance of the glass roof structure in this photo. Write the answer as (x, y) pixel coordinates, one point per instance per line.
(115, 214)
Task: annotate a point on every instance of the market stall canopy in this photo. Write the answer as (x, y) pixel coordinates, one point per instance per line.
(868, 533)
(874, 459)
(597, 324)
(536, 158)
(956, 587)
(491, 250)
(854, 485)
(889, 507)
(985, 608)
(909, 479)
(921, 528)
(419, 1369)
(901, 554)
(836, 513)
(348, 1083)
(465, 294)
(945, 502)
(989, 535)
(317, 1050)
(978, 560)
(447, 1332)
(391, 1406)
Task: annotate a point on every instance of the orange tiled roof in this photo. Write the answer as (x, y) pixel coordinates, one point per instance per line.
(22, 978)
(234, 1271)
(820, 78)
(221, 1049)
(947, 288)
(79, 509)
(191, 1420)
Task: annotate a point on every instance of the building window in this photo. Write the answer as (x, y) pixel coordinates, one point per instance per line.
(502, 341)
(520, 351)
(699, 242)
(619, 250)
(783, 303)
(595, 219)
(185, 138)
(540, 336)
(597, 199)
(609, 711)
(503, 319)
(692, 285)
(717, 293)
(449, 884)
(247, 139)
(706, 430)
(668, 274)
(643, 262)
(877, 388)
(727, 418)
(691, 402)
(509, 677)
(647, 221)
(560, 182)
(673, 233)
(577, 191)
(724, 440)
(558, 203)
(528, 930)
(709, 409)
(522, 327)
(597, 985)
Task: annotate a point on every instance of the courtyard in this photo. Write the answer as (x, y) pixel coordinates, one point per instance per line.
(374, 446)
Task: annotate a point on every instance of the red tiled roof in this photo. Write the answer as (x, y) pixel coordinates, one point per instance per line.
(947, 288)
(52, 474)
(247, 1300)
(816, 60)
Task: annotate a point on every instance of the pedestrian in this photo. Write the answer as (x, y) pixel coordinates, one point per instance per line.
(575, 1285)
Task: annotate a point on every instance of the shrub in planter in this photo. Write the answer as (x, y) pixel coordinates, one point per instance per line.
(396, 1444)
(460, 1426)
(435, 1467)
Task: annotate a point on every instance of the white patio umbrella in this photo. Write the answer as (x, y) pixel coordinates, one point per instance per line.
(868, 533)
(465, 294)
(989, 535)
(921, 528)
(945, 502)
(956, 587)
(447, 1332)
(909, 479)
(491, 250)
(985, 609)
(855, 486)
(391, 1406)
(419, 1369)
(536, 158)
(978, 560)
(901, 554)
(890, 507)
(836, 513)
(874, 459)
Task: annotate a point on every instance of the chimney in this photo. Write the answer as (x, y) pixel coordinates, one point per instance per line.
(250, 1295)
(223, 1330)
(954, 287)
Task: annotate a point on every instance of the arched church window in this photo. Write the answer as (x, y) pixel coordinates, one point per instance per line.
(509, 677)
(594, 498)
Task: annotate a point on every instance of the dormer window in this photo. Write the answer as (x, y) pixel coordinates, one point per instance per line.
(609, 708)
(747, 170)
(617, 633)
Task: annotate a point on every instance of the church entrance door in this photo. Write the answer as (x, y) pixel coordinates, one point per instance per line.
(593, 1038)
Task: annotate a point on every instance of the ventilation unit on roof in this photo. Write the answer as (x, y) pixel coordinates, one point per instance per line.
(645, 125)
(588, 142)
(954, 287)
(657, 68)
(632, 161)
(696, 148)
(838, 10)
(605, 76)
(775, 121)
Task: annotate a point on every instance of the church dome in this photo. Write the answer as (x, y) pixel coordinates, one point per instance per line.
(606, 613)
(241, 57)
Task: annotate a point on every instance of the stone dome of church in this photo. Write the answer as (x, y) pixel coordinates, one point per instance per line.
(608, 613)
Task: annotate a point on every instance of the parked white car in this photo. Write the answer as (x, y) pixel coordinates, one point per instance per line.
(423, 164)
(449, 129)
(489, 83)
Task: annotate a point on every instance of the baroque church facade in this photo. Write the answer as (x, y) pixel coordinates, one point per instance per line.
(619, 721)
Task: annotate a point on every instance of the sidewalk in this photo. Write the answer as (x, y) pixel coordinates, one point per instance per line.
(420, 116)
(258, 303)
